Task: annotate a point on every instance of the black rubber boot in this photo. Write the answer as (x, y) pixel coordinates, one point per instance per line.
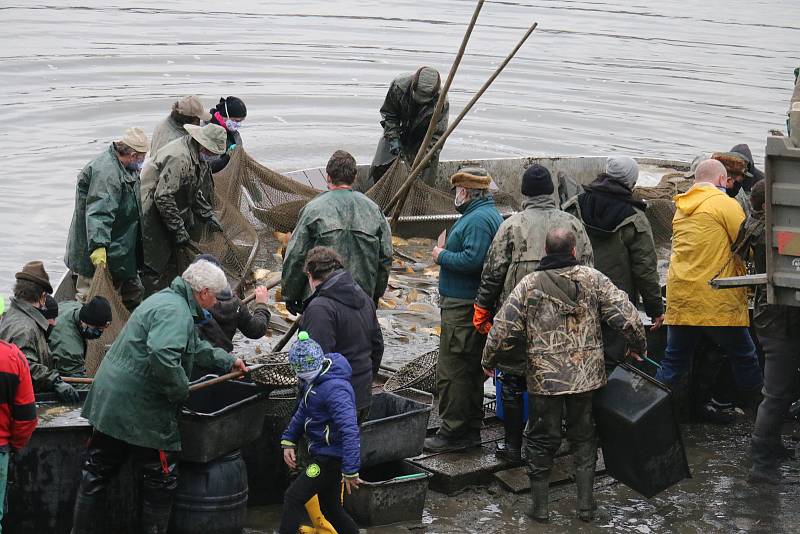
(511, 448)
(765, 463)
(155, 517)
(89, 513)
(538, 509)
(584, 480)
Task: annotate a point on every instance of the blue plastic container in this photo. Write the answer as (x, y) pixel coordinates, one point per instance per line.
(499, 411)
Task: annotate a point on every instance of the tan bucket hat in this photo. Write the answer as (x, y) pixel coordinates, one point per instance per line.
(211, 136)
(33, 271)
(192, 107)
(136, 139)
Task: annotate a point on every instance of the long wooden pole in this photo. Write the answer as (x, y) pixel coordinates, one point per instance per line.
(400, 196)
(437, 112)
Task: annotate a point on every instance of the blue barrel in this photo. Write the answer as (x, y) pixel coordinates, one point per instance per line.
(499, 411)
(211, 497)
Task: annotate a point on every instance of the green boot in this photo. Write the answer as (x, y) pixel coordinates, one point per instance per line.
(539, 500)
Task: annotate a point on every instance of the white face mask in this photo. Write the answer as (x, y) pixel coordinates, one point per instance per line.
(462, 197)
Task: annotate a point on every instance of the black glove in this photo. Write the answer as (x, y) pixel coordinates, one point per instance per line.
(395, 147)
(182, 238)
(294, 306)
(65, 392)
(214, 225)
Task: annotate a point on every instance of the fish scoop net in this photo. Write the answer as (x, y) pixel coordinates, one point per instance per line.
(274, 370)
(103, 286)
(419, 373)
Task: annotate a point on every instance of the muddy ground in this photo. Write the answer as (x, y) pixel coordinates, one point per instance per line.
(716, 499)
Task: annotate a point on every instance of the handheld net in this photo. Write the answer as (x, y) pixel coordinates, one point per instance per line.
(103, 286)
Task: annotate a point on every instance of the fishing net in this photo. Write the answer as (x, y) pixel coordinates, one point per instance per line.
(423, 199)
(103, 286)
(274, 370)
(419, 373)
(660, 207)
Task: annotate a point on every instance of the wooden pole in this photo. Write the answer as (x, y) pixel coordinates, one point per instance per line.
(287, 336)
(223, 378)
(249, 298)
(400, 197)
(437, 112)
(76, 380)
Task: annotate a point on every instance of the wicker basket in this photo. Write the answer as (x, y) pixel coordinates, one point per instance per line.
(274, 370)
(419, 373)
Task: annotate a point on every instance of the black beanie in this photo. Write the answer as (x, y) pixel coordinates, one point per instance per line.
(50, 308)
(96, 312)
(210, 258)
(537, 181)
(236, 107)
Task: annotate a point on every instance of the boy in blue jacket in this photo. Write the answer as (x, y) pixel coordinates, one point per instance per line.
(326, 415)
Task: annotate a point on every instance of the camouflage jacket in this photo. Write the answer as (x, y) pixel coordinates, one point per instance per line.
(172, 199)
(352, 225)
(24, 326)
(555, 316)
(518, 247)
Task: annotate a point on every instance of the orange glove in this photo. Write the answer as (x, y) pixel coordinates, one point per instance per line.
(482, 319)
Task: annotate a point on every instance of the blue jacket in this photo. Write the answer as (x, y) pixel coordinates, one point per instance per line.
(326, 415)
(467, 243)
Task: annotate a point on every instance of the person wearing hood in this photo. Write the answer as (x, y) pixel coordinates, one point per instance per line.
(406, 114)
(622, 241)
(706, 223)
(78, 324)
(349, 223)
(187, 110)
(554, 316)
(229, 113)
(174, 208)
(135, 399)
(229, 314)
(326, 417)
(459, 381)
(25, 325)
(341, 318)
(515, 252)
(105, 228)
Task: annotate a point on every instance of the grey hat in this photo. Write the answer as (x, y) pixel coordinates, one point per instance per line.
(624, 169)
(426, 84)
(212, 137)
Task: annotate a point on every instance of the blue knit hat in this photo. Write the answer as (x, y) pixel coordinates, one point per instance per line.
(305, 354)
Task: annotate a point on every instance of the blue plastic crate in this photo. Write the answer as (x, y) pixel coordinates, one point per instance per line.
(499, 410)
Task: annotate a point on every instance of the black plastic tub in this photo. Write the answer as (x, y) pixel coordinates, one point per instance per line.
(392, 493)
(394, 430)
(220, 419)
(641, 440)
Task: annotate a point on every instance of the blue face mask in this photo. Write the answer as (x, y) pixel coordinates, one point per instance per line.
(232, 125)
(91, 332)
(205, 320)
(135, 166)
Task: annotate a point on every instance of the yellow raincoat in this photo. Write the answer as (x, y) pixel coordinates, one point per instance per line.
(706, 222)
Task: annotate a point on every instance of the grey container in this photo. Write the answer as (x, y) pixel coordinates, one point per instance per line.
(220, 419)
(394, 430)
(392, 493)
(782, 171)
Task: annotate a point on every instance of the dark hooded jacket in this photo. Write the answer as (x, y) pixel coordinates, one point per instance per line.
(230, 314)
(755, 174)
(341, 318)
(326, 415)
(622, 240)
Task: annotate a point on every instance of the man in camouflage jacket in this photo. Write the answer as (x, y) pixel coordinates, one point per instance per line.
(555, 316)
(516, 251)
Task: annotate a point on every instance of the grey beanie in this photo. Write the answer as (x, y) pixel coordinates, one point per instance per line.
(624, 169)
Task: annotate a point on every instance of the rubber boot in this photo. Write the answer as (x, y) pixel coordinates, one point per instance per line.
(584, 480)
(538, 509)
(511, 450)
(155, 516)
(89, 513)
(320, 524)
(765, 463)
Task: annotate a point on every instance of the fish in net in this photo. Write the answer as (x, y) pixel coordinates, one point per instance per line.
(103, 286)
(419, 373)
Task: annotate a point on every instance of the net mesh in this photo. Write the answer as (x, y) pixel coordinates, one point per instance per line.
(660, 206)
(419, 373)
(103, 286)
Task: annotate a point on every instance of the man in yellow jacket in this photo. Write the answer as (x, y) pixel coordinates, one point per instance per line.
(706, 222)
